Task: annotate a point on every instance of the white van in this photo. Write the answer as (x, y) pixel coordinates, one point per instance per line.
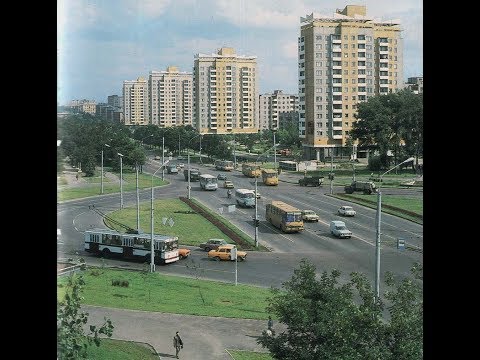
(245, 197)
(338, 229)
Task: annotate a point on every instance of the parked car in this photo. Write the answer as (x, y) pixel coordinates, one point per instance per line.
(158, 157)
(346, 211)
(181, 165)
(257, 194)
(309, 215)
(228, 184)
(183, 253)
(222, 177)
(224, 253)
(212, 244)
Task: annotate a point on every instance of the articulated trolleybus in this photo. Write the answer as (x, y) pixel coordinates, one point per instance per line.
(107, 242)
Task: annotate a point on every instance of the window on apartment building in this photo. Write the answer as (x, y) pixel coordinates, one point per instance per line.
(361, 37)
(318, 37)
(319, 116)
(369, 38)
(319, 98)
(345, 46)
(345, 89)
(345, 55)
(318, 90)
(345, 37)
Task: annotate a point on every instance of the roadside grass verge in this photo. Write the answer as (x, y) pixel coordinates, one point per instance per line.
(190, 228)
(410, 208)
(93, 186)
(162, 293)
(111, 349)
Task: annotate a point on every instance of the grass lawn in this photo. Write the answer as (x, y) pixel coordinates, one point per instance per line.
(93, 186)
(111, 349)
(249, 355)
(157, 292)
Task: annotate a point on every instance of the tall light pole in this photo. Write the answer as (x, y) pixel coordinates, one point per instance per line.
(163, 157)
(275, 151)
(256, 223)
(137, 189)
(101, 176)
(234, 153)
(152, 248)
(188, 163)
(121, 180)
(377, 238)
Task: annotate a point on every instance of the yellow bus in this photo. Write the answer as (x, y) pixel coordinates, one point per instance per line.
(270, 177)
(284, 216)
(226, 165)
(251, 170)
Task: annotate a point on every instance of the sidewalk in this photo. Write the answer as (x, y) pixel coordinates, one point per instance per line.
(204, 337)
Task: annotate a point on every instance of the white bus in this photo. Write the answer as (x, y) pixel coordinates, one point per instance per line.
(107, 242)
(208, 182)
(245, 197)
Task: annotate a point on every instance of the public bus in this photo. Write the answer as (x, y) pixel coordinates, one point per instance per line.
(251, 170)
(245, 197)
(284, 216)
(270, 177)
(208, 182)
(194, 174)
(226, 165)
(107, 242)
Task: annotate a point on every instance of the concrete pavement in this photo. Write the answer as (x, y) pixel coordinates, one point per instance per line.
(204, 337)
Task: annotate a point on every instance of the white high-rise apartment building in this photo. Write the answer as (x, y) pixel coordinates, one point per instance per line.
(225, 93)
(343, 59)
(135, 102)
(273, 106)
(170, 97)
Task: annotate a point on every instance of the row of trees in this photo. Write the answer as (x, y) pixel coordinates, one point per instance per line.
(84, 137)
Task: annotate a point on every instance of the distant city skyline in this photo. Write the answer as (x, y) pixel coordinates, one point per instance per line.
(100, 44)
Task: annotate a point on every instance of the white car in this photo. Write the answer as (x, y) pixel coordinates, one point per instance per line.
(346, 211)
(309, 215)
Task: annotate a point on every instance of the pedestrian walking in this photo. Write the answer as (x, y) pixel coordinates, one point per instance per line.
(177, 344)
(270, 323)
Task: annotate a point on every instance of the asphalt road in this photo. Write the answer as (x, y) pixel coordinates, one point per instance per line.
(264, 269)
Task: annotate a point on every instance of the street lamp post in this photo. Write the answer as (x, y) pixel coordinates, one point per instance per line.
(152, 249)
(377, 237)
(274, 152)
(188, 162)
(121, 180)
(256, 211)
(136, 185)
(101, 176)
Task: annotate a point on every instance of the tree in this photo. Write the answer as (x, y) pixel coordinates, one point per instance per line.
(72, 342)
(391, 122)
(328, 320)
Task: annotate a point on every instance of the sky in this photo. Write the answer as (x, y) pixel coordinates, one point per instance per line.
(101, 43)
